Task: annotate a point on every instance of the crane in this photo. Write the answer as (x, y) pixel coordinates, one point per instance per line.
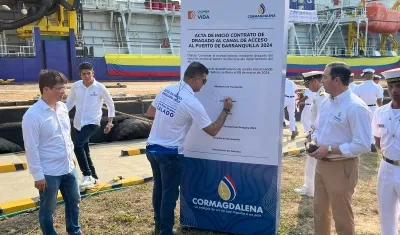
(53, 17)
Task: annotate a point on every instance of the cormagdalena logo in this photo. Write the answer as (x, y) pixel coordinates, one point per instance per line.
(262, 13)
(261, 9)
(227, 189)
(227, 192)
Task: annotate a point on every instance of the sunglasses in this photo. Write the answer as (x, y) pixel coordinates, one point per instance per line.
(204, 80)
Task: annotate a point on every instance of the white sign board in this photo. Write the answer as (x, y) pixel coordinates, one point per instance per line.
(243, 44)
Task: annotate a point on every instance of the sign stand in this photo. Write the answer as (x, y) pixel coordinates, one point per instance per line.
(231, 182)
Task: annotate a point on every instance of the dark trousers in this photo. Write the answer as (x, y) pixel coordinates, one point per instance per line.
(82, 152)
(167, 171)
(68, 185)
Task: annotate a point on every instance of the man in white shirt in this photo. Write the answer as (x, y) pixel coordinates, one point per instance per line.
(342, 133)
(386, 129)
(376, 80)
(175, 108)
(290, 104)
(87, 96)
(49, 152)
(370, 93)
(312, 80)
(352, 84)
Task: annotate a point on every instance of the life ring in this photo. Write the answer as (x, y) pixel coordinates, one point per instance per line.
(165, 43)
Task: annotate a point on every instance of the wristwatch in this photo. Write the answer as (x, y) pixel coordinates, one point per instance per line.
(330, 149)
(110, 125)
(227, 111)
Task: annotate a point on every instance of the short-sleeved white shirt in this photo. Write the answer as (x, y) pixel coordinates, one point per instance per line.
(381, 91)
(290, 88)
(177, 108)
(386, 126)
(369, 92)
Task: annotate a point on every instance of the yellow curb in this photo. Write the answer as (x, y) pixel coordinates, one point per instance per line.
(32, 203)
(18, 205)
(11, 167)
(132, 152)
(293, 152)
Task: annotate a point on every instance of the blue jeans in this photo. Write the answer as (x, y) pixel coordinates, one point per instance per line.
(68, 185)
(167, 171)
(82, 152)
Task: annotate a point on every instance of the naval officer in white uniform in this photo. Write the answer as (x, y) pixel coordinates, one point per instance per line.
(370, 93)
(386, 129)
(312, 80)
(307, 100)
(376, 80)
(317, 86)
(352, 84)
(290, 104)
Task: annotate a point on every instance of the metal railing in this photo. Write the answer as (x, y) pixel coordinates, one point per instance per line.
(331, 50)
(100, 4)
(17, 51)
(307, 50)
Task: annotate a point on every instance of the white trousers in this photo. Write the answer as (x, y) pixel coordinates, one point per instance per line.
(309, 175)
(388, 192)
(306, 118)
(372, 108)
(290, 103)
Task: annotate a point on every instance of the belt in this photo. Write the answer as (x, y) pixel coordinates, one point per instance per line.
(337, 159)
(289, 96)
(396, 163)
(371, 105)
(308, 104)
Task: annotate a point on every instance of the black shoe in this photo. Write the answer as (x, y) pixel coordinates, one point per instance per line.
(294, 134)
(373, 148)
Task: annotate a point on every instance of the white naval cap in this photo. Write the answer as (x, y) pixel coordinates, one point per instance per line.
(377, 77)
(392, 75)
(311, 75)
(368, 71)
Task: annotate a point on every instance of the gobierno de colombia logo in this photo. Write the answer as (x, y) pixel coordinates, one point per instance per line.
(227, 191)
(191, 15)
(199, 15)
(262, 13)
